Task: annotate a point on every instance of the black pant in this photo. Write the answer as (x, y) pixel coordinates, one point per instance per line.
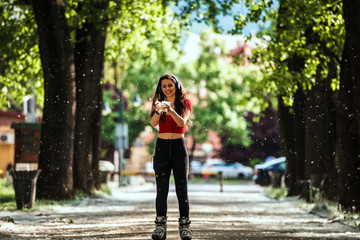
(171, 154)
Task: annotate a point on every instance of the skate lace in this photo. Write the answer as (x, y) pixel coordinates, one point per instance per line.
(160, 229)
(185, 231)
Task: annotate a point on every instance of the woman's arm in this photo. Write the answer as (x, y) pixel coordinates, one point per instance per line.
(156, 116)
(155, 119)
(181, 121)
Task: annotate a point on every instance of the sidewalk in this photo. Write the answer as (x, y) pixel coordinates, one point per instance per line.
(240, 212)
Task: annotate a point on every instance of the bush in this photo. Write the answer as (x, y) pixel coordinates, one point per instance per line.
(255, 161)
(276, 193)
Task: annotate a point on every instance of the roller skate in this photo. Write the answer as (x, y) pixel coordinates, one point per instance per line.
(184, 230)
(160, 228)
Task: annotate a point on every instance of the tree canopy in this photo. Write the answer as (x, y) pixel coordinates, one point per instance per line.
(312, 32)
(20, 65)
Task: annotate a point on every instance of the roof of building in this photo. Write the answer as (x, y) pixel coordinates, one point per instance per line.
(8, 117)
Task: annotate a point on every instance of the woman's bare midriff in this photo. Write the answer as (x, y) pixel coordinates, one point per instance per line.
(171, 135)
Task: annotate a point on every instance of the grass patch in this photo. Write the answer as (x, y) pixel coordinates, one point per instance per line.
(276, 193)
(8, 202)
(105, 190)
(331, 211)
(320, 206)
(7, 195)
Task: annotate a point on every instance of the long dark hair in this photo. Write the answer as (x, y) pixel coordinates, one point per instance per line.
(180, 96)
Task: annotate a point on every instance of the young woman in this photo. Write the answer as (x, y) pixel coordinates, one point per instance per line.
(171, 111)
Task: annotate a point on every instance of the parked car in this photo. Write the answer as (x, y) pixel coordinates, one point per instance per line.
(195, 168)
(234, 170)
(247, 171)
(261, 171)
(212, 161)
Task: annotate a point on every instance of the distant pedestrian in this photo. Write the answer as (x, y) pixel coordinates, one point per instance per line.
(171, 110)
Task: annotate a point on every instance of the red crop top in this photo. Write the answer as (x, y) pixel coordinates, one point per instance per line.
(168, 125)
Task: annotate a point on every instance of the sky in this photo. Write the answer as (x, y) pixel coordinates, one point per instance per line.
(192, 50)
(227, 22)
(190, 42)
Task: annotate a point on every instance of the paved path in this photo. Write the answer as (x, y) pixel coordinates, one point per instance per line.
(240, 212)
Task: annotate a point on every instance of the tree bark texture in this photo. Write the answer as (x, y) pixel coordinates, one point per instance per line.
(287, 143)
(299, 141)
(320, 138)
(89, 58)
(320, 124)
(292, 123)
(348, 107)
(56, 146)
(329, 146)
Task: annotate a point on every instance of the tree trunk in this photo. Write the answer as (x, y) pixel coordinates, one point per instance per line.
(329, 146)
(292, 127)
(319, 143)
(56, 147)
(320, 124)
(89, 58)
(299, 141)
(296, 159)
(348, 117)
(287, 142)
